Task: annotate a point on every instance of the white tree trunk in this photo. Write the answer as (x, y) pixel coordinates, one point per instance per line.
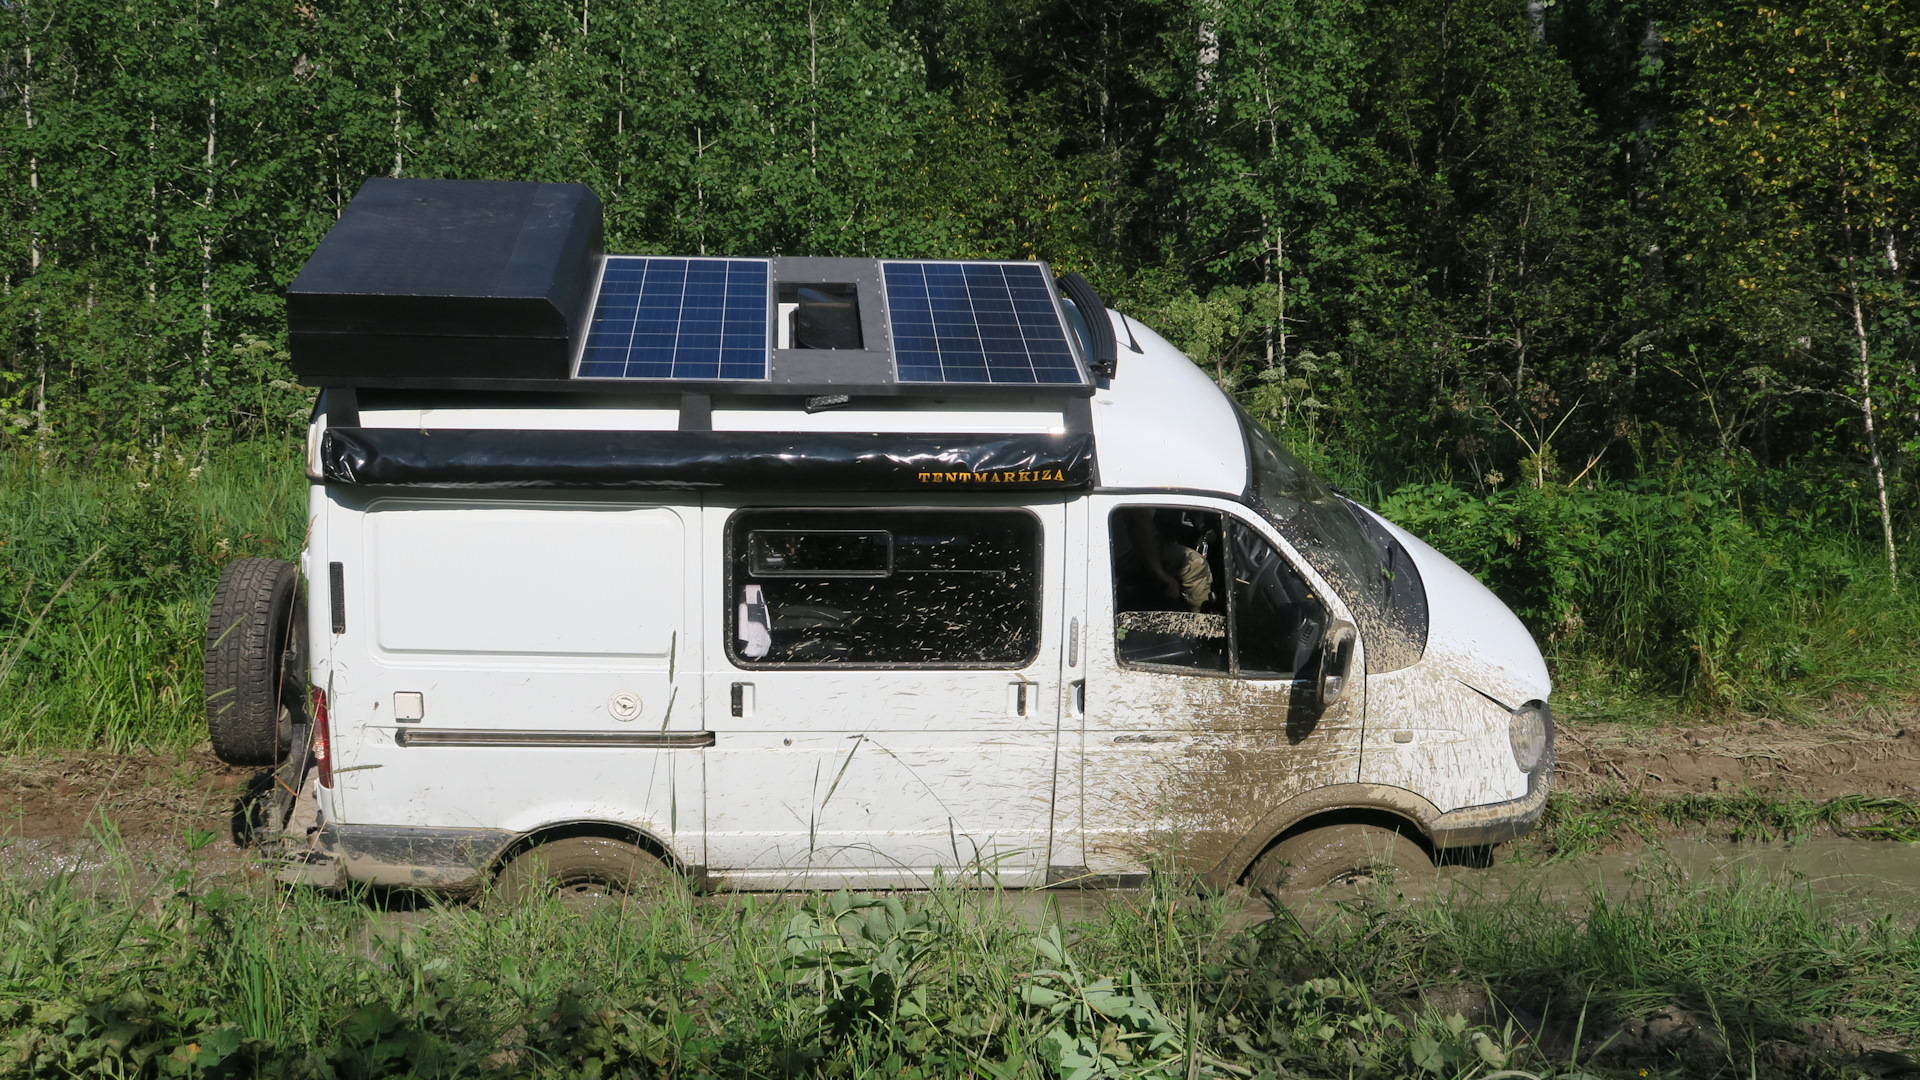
(33, 254)
(1865, 375)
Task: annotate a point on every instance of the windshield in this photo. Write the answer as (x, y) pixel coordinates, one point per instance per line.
(1368, 567)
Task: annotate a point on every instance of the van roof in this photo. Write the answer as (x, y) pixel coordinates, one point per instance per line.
(1159, 425)
(474, 334)
(486, 285)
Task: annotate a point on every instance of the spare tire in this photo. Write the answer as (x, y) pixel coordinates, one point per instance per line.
(255, 669)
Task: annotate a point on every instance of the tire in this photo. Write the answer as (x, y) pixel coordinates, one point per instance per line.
(583, 871)
(1340, 855)
(255, 668)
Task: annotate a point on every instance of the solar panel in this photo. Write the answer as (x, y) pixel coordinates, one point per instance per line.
(658, 318)
(977, 323)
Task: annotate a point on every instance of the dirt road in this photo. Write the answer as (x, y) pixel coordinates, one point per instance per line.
(1869, 755)
(158, 799)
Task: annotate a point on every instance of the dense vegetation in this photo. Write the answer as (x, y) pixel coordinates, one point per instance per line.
(188, 977)
(1609, 298)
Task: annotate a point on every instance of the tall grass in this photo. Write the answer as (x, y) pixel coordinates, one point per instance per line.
(105, 574)
(181, 977)
(1718, 590)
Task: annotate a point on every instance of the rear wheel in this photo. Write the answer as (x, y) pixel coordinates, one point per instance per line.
(1350, 855)
(255, 666)
(584, 872)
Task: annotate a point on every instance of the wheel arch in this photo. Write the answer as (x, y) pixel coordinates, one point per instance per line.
(596, 828)
(1395, 808)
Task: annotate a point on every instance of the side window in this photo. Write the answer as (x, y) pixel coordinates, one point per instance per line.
(1169, 600)
(1173, 608)
(1277, 620)
(883, 588)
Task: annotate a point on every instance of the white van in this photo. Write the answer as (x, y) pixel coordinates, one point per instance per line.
(810, 573)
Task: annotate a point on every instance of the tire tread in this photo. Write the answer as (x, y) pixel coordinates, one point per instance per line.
(240, 671)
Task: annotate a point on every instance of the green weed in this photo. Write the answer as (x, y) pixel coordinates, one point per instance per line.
(185, 977)
(1710, 592)
(105, 574)
(1576, 824)
(1725, 590)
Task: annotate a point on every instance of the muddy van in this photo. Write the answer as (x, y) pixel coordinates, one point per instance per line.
(809, 572)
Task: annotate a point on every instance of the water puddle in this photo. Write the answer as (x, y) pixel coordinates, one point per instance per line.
(1880, 873)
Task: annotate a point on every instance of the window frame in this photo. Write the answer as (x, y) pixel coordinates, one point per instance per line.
(730, 616)
(1227, 519)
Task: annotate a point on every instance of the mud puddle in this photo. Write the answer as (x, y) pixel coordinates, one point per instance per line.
(1876, 875)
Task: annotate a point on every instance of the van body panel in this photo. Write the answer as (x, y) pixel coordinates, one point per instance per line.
(628, 414)
(1472, 636)
(541, 618)
(1441, 726)
(470, 613)
(882, 775)
(1162, 424)
(1431, 733)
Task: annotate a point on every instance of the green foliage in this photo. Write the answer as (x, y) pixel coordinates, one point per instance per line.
(1658, 242)
(1100, 1026)
(185, 977)
(1730, 589)
(105, 575)
(861, 955)
(1576, 826)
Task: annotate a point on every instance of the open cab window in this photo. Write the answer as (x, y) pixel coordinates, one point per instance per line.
(1196, 591)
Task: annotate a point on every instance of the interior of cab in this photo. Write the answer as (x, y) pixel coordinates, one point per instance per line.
(1168, 570)
(1173, 609)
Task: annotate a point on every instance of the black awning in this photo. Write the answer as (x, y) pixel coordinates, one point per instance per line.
(706, 460)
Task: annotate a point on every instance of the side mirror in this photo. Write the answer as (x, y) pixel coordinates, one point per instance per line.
(1336, 660)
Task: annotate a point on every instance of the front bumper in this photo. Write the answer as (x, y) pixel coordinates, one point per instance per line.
(1494, 823)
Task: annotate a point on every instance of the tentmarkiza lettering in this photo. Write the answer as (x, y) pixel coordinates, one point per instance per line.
(1010, 476)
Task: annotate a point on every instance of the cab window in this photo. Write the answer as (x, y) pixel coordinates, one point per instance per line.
(883, 588)
(1196, 591)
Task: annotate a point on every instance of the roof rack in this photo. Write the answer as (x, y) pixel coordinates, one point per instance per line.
(487, 285)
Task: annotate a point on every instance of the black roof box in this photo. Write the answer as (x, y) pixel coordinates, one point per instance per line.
(432, 281)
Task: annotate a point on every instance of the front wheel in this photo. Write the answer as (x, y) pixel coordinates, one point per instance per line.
(1340, 855)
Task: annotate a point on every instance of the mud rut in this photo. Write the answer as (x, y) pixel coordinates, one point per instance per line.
(72, 813)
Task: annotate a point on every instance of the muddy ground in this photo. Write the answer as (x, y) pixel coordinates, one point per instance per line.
(1870, 752)
(161, 797)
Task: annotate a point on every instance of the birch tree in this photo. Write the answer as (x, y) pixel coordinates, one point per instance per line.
(1797, 190)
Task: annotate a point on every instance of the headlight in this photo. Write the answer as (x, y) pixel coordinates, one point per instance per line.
(1530, 729)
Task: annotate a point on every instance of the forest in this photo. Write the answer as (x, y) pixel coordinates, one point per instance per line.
(1608, 299)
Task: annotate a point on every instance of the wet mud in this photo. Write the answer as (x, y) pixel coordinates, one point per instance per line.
(1878, 755)
(70, 811)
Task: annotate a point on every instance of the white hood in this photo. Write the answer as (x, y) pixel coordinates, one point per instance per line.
(1471, 634)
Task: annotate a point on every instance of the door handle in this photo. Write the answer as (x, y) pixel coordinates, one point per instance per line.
(1020, 697)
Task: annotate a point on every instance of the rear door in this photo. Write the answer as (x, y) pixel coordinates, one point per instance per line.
(886, 695)
(509, 663)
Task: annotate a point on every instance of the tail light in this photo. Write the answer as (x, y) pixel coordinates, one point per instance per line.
(322, 738)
